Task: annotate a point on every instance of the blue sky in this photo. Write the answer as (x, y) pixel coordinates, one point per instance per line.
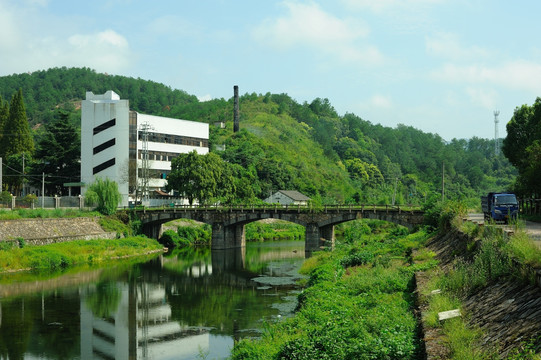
(441, 66)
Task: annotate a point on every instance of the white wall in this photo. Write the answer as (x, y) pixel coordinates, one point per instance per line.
(96, 110)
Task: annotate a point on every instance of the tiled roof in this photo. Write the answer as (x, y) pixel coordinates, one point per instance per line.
(295, 195)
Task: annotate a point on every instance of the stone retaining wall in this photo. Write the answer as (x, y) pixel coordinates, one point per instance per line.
(47, 231)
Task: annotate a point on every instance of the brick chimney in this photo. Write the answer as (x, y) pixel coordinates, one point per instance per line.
(236, 108)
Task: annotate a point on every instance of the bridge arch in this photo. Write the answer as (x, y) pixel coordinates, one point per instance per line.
(228, 223)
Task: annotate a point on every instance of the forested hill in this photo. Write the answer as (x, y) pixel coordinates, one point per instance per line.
(287, 145)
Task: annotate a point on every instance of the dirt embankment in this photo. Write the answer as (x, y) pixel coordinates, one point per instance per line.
(508, 311)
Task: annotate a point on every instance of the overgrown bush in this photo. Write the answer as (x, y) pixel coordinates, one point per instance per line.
(195, 235)
(440, 214)
(104, 195)
(171, 239)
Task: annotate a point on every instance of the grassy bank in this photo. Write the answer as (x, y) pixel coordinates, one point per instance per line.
(74, 253)
(488, 256)
(358, 303)
(45, 213)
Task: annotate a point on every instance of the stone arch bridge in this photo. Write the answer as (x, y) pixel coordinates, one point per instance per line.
(228, 222)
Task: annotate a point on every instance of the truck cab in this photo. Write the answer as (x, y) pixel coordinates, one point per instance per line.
(500, 206)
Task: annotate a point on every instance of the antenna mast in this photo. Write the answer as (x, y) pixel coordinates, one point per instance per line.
(496, 134)
(145, 127)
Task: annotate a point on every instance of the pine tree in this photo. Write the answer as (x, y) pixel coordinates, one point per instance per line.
(16, 137)
(4, 114)
(58, 153)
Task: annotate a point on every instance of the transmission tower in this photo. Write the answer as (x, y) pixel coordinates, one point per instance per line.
(145, 166)
(496, 134)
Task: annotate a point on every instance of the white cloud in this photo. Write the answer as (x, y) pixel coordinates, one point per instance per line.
(103, 51)
(173, 26)
(308, 25)
(447, 45)
(486, 98)
(381, 101)
(204, 98)
(383, 5)
(9, 37)
(518, 75)
(32, 39)
(107, 38)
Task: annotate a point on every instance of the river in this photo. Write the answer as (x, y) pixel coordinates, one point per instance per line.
(190, 304)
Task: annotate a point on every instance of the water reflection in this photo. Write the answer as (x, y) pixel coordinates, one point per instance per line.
(190, 303)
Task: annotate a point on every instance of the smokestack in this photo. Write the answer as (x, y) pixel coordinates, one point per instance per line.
(236, 108)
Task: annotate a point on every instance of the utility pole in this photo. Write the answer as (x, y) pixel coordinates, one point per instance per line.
(394, 192)
(23, 175)
(42, 190)
(443, 182)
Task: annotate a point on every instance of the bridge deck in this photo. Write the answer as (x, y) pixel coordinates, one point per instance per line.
(285, 208)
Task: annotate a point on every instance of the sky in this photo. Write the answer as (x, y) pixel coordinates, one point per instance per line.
(441, 66)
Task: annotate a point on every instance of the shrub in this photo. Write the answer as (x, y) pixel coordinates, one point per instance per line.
(195, 234)
(104, 195)
(171, 239)
(30, 198)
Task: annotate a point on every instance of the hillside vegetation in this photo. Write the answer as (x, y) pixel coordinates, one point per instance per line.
(284, 144)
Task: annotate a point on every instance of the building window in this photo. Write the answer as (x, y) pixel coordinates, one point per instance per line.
(106, 125)
(104, 146)
(103, 166)
(174, 139)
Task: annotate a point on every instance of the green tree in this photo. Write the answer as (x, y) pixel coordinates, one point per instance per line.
(104, 195)
(16, 137)
(4, 114)
(521, 144)
(13, 171)
(197, 176)
(58, 154)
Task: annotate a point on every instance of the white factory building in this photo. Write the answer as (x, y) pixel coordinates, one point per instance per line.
(132, 149)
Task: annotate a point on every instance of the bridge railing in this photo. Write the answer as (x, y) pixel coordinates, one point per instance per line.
(278, 207)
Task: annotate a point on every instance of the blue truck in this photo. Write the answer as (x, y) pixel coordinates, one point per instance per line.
(500, 206)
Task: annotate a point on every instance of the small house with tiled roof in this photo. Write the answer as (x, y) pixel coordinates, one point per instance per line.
(288, 197)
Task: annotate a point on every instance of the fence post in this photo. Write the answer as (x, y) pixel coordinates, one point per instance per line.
(13, 203)
(81, 202)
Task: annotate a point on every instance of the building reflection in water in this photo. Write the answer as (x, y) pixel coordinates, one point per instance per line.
(175, 307)
(141, 327)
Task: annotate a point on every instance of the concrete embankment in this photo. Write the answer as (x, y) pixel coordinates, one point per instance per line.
(47, 231)
(507, 311)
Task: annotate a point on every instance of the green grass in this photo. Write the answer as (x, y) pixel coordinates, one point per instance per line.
(488, 261)
(521, 247)
(80, 252)
(277, 230)
(44, 213)
(355, 306)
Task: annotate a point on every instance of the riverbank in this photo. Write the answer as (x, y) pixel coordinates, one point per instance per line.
(488, 277)
(358, 302)
(59, 256)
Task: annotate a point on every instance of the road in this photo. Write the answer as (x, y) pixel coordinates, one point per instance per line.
(533, 229)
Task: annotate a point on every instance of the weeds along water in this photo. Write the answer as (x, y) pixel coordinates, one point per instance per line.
(357, 304)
